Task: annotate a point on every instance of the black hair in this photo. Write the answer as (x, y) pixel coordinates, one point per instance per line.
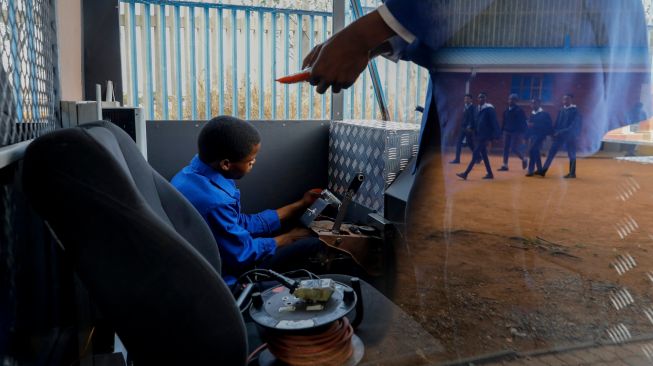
(469, 96)
(570, 95)
(483, 94)
(226, 137)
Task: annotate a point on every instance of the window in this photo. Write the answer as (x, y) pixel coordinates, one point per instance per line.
(532, 86)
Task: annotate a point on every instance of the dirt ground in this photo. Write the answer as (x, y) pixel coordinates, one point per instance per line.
(529, 263)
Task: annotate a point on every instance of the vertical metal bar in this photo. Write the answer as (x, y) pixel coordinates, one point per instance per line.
(273, 65)
(193, 70)
(248, 90)
(132, 36)
(234, 64)
(207, 64)
(407, 91)
(364, 95)
(418, 93)
(396, 111)
(298, 55)
(338, 24)
(148, 60)
(311, 44)
(220, 61)
(286, 97)
(324, 38)
(386, 91)
(163, 60)
(261, 71)
(352, 102)
(29, 6)
(180, 92)
(371, 66)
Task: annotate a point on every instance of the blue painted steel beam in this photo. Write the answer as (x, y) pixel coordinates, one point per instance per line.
(248, 64)
(407, 91)
(396, 111)
(207, 64)
(311, 44)
(261, 71)
(298, 54)
(234, 64)
(273, 66)
(324, 38)
(148, 61)
(220, 62)
(180, 92)
(134, 63)
(164, 61)
(373, 70)
(286, 97)
(193, 70)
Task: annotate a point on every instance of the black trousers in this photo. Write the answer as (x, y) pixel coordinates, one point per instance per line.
(480, 152)
(534, 153)
(465, 134)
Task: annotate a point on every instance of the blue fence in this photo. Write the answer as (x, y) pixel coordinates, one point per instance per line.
(189, 60)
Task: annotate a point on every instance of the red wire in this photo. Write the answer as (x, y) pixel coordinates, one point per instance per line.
(256, 351)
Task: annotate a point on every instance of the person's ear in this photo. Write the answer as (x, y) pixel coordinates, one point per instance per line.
(224, 165)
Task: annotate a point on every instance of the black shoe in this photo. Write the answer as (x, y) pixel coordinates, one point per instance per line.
(489, 176)
(503, 168)
(462, 175)
(541, 173)
(530, 174)
(570, 176)
(524, 163)
(454, 161)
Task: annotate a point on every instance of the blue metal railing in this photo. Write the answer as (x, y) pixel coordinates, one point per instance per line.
(232, 54)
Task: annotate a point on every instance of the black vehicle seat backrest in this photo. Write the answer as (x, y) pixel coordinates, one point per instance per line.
(147, 258)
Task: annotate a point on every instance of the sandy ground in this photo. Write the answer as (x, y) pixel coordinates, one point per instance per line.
(529, 263)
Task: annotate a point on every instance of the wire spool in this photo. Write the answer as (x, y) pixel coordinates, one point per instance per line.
(299, 335)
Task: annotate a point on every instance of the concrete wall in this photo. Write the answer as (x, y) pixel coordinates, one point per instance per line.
(69, 23)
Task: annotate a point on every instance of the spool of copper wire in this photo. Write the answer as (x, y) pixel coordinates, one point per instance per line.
(331, 346)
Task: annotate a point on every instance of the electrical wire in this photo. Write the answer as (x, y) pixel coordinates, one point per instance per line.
(86, 347)
(328, 347)
(256, 351)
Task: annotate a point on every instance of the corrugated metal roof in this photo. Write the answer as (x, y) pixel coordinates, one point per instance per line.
(541, 23)
(555, 59)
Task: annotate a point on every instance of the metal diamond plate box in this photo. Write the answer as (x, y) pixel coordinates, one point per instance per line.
(378, 149)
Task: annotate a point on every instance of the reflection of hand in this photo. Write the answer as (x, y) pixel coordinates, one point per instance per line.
(337, 62)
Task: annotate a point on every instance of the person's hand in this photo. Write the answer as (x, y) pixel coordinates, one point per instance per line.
(292, 236)
(310, 58)
(310, 197)
(337, 62)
